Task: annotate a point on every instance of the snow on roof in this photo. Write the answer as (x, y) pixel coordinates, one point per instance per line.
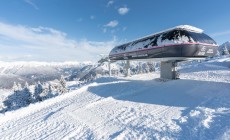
(183, 27)
(190, 28)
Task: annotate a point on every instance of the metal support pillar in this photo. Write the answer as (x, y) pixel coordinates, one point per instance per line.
(127, 67)
(168, 70)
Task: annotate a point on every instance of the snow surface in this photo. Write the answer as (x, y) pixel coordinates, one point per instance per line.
(138, 107)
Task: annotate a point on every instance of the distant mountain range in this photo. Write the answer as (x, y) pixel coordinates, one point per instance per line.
(32, 72)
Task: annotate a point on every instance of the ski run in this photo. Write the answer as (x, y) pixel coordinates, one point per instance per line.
(138, 107)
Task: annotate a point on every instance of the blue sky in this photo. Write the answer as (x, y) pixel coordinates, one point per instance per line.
(81, 30)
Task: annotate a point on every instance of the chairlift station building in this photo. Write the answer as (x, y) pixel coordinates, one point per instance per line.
(180, 43)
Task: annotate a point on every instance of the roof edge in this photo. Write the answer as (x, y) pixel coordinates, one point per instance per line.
(190, 28)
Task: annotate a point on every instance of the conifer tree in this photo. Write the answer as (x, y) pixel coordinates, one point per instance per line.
(225, 50)
(2, 106)
(25, 95)
(37, 91)
(19, 98)
(139, 68)
(50, 91)
(15, 87)
(19, 87)
(62, 87)
(43, 95)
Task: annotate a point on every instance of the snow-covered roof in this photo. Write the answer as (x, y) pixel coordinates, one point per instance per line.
(182, 27)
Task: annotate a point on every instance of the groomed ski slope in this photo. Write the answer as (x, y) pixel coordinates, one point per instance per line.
(139, 107)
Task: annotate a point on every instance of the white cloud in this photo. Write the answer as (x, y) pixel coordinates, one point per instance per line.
(30, 2)
(111, 2)
(123, 10)
(47, 44)
(113, 23)
(221, 33)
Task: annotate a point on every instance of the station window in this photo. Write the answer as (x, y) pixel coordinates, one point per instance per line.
(172, 35)
(202, 38)
(154, 41)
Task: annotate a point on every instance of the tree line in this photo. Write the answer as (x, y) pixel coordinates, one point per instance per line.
(22, 97)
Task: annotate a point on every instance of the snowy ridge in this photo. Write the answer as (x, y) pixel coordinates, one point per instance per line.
(32, 72)
(36, 64)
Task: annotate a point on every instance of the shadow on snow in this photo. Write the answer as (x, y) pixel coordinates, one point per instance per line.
(178, 93)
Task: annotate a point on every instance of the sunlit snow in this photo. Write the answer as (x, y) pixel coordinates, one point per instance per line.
(138, 107)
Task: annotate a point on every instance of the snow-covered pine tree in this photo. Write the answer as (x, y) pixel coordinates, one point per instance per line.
(218, 53)
(37, 91)
(25, 95)
(62, 87)
(146, 68)
(50, 91)
(225, 50)
(62, 81)
(17, 99)
(13, 101)
(19, 88)
(43, 95)
(2, 106)
(140, 68)
(151, 66)
(15, 87)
